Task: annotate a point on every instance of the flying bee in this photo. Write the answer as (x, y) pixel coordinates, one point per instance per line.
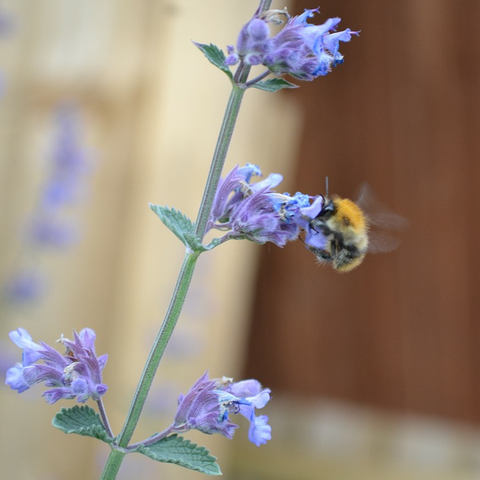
(349, 232)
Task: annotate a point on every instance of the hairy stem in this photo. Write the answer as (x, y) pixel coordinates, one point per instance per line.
(185, 276)
(159, 347)
(114, 461)
(153, 439)
(216, 167)
(104, 417)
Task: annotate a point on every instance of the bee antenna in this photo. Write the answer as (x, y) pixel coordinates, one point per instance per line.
(326, 187)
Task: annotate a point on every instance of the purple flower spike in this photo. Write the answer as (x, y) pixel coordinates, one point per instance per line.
(208, 404)
(302, 50)
(254, 211)
(75, 374)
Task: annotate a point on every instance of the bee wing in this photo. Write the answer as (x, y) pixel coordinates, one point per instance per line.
(382, 222)
(382, 242)
(379, 214)
(387, 221)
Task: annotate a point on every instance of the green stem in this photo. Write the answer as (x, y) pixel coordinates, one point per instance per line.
(159, 346)
(116, 456)
(221, 149)
(223, 142)
(264, 5)
(113, 464)
(184, 278)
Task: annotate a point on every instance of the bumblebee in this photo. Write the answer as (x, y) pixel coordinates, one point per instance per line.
(350, 232)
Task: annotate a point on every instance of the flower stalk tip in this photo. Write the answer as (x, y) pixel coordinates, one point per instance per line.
(301, 49)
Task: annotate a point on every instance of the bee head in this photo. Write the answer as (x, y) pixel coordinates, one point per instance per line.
(328, 210)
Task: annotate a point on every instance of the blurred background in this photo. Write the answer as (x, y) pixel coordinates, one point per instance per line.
(106, 106)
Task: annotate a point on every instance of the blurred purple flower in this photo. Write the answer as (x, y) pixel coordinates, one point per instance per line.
(25, 285)
(75, 374)
(6, 29)
(49, 225)
(302, 50)
(69, 161)
(208, 404)
(65, 184)
(51, 231)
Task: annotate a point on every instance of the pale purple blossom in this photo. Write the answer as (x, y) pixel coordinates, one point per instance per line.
(208, 404)
(302, 50)
(255, 397)
(77, 373)
(254, 211)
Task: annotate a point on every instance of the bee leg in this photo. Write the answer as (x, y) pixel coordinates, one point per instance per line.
(348, 255)
(322, 255)
(333, 248)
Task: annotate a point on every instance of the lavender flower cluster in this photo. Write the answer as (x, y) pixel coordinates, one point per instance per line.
(303, 50)
(254, 211)
(77, 373)
(209, 402)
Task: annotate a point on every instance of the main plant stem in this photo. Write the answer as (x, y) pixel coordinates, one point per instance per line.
(117, 454)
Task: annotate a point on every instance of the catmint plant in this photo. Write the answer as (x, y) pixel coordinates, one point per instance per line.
(237, 207)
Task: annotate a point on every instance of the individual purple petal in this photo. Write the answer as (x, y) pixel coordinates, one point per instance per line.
(102, 360)
(315, 239)
(259, 432)
(272, 181)
(249, 171)
(87, 337)
(313, 210)
(245, 388)
(31, 351)
(55, 394)
(15, 380)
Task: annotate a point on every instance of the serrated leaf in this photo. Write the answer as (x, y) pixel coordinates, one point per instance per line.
(273, 85)
(82, 421)
(177, 450)
(178, 223)
(215, 56)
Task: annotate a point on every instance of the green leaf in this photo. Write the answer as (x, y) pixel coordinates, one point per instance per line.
(215, 56)
(82, 421)
(179, 224)
(175, 449)
(273, 85)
